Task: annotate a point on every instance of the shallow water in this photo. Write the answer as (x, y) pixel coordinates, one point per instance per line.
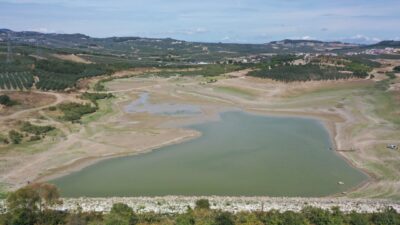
(241, 155)
(142, 105)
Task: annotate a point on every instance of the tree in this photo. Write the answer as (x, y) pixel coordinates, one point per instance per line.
(293, 218)
(202, 204)
(6, 100)
(15, 136)
(51, 217)
(121, 214)
(272, 217)
(49, 194)
(22, 207)
(36, 195)
(388, 217)
(247, 218)
(337, 216)
(21, 216)
(317, 216)
(26, 204)
(224, 218)
(358, 219)
(75, 219)
(185, 219)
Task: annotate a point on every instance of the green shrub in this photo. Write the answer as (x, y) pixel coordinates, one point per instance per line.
(3, 139)
(36, 130)
(6, 100)
(391, 75)
(293, 218)
(185, 219)
(358, 219)
(388, 217)
(35, 138)
(15, 137)
(121, 214)
(224, 218)
(202, 204)
(94, 97)
(74, 111)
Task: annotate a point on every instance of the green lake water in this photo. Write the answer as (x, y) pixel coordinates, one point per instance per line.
(240, 155)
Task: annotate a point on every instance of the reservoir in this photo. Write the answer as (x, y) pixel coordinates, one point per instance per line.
(240, 155)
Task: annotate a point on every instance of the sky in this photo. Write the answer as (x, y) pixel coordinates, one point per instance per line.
(239, 21)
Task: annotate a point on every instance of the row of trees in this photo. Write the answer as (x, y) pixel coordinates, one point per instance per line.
(34, 204)
(203, 70)
(288, 73)
(359, 70)
(16, 80)
(281, 68)
(59, 75)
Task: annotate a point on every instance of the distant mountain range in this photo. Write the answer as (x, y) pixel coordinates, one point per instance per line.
(134, 46)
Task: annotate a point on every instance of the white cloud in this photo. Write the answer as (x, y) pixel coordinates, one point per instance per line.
(42, 30)
(192, 31)
(366, 38)
(306, 37)
(361, 39)
(226, 38)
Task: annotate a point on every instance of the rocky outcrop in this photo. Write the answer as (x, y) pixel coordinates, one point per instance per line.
(177, 204)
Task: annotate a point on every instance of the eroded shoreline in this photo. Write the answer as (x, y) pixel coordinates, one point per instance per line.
(327, 121)
(332, 120)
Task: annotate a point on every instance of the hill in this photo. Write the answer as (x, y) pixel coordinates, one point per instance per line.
(158, 47)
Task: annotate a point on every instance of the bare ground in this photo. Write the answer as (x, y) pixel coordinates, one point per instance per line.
(72, 58)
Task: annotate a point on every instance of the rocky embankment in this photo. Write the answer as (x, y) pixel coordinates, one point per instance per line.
(172, 204)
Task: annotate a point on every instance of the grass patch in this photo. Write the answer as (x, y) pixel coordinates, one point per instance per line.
(383, 171)
(332, 89)
(386, 104)
(206, 71)
(105, 107)
(3, 192)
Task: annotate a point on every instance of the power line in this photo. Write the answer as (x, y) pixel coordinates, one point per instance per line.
(9, 50)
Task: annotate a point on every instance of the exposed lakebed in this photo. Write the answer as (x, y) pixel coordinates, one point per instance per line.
(240, 155)
(142, 105)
